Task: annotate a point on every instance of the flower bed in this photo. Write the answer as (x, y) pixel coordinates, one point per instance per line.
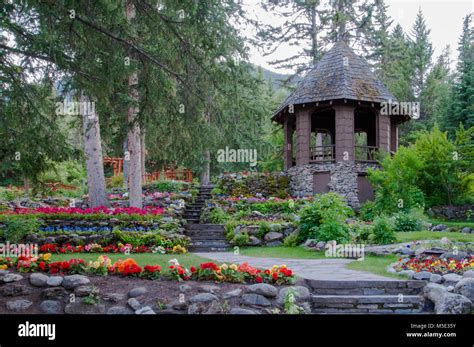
(243, 273)
(110, 248)
(435, 265)
(101, 210)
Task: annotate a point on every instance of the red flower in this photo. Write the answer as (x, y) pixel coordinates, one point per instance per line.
(258, 279)
(193, 269)
(42, 265)
(275, 275)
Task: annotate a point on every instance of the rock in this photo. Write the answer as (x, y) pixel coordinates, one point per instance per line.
(468, 274)
(184, 288)
(137, 291)
(119, 310)
(446, 302)
(408, 273)
(273, 236)
(465, 287)
(79, 307)
(18, 305)
(145, 310)
(310, 243)
(238, 310)
(134, 304)
(232, 294)
(215, 308)
(55, 293)
(466, 230)
(435, 278)
(274, 244)
(179, 305)
(196, 308)
(255, 300)
(73, 281)
(264, 289)
(83, 290)
(203, 297)
(254, 241)
(8, 278)
(209, 288)
(454, 255)
(419, 251)
(321, 245)
(257, 214)
(15, 289)
(51, 307)
(38, 279)
(439, 227)
(300, 293)
(422, 275)
(54, 281)
(452, 278)
(113, 297)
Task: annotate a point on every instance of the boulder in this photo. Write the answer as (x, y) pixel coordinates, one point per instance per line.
(113, 297)
(454, 255)
(15, 289)
(465, 287)
(439, 227)
(239, 310)
(452, 278)
(310, 243)
(264, 289)
(446, 302)
(19, 305)
(9, 277)
(232, 294)
(54, 293)
(137, 291)
(54, 281)
(466, 230)
(435, 278)
(51, 307)
(209, 288)
(422, 275)
(134, 304)
(273, 236)
(301, 294)
(254, 241)
(274, 244)
(184, 288)
(203, 297)
(73, 281)
(145, 310)
(255, 300)
(468, 274)
(38, 279)
(83, 290)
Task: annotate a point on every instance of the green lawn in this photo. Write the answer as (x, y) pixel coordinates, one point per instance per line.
(141, 258)
(431, 235)
(376, 265)
(452, 223)
(281, 252)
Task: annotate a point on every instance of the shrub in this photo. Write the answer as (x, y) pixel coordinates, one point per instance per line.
(333, 231)
(360, 232)
(16, 228)
(408, 221)
(383, 232)
(115, 181)
(291, 240)
(241, 239)
(368, 211)
(326, 208)
(217, 215)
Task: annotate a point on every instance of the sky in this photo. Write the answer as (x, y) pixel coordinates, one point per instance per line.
(443, 17)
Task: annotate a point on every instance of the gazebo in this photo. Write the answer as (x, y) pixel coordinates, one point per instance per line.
(335, 113)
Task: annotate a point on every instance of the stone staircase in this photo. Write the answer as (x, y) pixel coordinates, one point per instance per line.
(368, 297)
(204, 237)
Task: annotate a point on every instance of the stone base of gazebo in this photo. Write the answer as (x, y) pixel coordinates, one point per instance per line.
(345, 178)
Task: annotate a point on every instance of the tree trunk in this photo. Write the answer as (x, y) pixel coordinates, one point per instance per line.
(134, 145)
(125, 164)
(206, 170)
(94, 161)
(143, 152)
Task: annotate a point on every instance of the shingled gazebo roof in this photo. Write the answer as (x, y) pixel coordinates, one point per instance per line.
(334, 78)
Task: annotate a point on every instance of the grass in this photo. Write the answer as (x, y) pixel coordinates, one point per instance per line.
(281, 252)
(376, 265)
(452, 223)
(141, 258)
(432, 235)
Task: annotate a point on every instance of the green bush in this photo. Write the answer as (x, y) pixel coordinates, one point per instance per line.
(291, 240)
(267, 185)
(218, 216)
(325, 209)
(241, 239)
(16, 228)
(333, 230)
(360, 232)
(408, 221)
(368, 211)
(383, 232)
(115, 181)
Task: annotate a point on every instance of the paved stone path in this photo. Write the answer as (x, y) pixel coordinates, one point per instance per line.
(317, 269)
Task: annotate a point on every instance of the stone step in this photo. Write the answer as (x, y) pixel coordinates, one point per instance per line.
(192, 220)
(386, 304)
(366, 287)
(210, 233)
(206, 238)
(209, 243)
(207, 249)
(210, 227)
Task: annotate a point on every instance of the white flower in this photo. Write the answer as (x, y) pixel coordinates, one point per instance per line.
(174, 262)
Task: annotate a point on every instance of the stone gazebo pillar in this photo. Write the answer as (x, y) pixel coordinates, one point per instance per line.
(303, 134)
(344, 132)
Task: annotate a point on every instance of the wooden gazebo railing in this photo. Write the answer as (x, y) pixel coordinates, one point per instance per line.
(322, 153)
(117, 164)
(169, 174)
(366, 153)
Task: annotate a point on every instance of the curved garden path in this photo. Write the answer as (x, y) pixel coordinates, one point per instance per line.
(316, 269)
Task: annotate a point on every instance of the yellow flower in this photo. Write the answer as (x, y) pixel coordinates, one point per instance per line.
(283, 266)
(3, 267)
(46, 256)
(96, 264)
(224, 267)
(233, 267)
